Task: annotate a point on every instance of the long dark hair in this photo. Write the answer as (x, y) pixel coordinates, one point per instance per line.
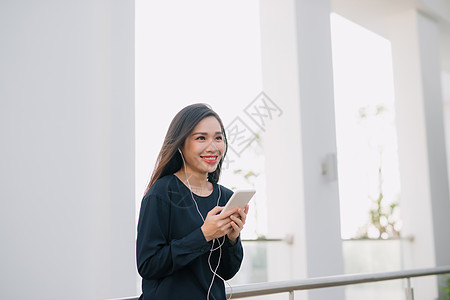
(169, 159)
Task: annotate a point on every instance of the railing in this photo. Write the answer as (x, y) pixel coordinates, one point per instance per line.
(268, 288)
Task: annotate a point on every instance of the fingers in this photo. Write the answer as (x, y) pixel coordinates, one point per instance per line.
(228, 213)
(225, 214)
(236, 227)
(241, 214)
(216, 225)
(228, 223)
(238, 221)
(215, 210)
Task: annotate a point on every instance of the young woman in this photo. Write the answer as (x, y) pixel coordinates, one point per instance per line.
(185, 248)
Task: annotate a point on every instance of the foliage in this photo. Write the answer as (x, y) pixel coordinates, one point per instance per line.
(246, 174)
(250, 177)
(382, 218)
(382, 221)
(446, 288)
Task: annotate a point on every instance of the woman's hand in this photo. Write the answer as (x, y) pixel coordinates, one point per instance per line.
(237, 223)
(229, 223)
(217, 225)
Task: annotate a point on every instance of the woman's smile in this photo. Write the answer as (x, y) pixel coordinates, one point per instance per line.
(210, 159)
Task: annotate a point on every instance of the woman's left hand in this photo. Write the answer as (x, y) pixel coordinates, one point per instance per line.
(237, 224)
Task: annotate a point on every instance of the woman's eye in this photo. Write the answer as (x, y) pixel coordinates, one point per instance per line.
(219, 138)
(201, 138)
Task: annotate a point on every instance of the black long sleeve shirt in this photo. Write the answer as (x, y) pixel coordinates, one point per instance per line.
(172, 252)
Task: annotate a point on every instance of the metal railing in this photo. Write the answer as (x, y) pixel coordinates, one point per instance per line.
(268, 288)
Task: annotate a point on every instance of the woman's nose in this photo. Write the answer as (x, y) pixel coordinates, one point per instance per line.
(212, 146)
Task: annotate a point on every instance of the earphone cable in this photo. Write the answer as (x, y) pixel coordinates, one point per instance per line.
(214, 272)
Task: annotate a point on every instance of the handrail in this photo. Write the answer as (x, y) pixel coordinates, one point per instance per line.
(267, 288)
(289, 286)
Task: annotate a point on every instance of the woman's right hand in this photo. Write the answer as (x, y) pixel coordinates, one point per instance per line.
(217, 225)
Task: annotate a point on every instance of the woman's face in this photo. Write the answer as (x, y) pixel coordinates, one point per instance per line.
(204, 147)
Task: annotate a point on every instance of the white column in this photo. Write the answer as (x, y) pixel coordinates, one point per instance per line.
(425, 203)
(282, 146)
(321, 198)
(297, 75)
(67, 156)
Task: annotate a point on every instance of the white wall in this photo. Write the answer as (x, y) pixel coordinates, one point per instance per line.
(67, 149)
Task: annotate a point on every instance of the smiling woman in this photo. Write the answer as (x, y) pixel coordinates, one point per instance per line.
(182, 129)
(185, 248)
(203, 150)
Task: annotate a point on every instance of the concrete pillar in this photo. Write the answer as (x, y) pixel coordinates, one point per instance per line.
(303, 201)
(67, 156)
(425, 203)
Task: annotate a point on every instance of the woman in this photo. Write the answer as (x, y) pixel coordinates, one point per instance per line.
(185, 248)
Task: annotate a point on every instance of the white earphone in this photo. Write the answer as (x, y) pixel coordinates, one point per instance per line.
(212, 246)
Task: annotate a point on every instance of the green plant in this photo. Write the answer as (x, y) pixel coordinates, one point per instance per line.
(446, 288)
(250, 177)
(382, 215)
(383, 219)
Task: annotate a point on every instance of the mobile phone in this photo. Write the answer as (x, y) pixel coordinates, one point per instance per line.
(240, 198)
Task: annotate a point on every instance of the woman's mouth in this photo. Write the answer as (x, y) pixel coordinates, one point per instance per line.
(210, 159)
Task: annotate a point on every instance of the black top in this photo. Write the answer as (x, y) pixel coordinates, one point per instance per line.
(172, 252)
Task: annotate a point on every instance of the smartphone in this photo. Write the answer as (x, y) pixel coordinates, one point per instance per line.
(240, 198)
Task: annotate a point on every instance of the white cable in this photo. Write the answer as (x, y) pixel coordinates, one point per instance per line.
(212, 246)
(217, 267)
